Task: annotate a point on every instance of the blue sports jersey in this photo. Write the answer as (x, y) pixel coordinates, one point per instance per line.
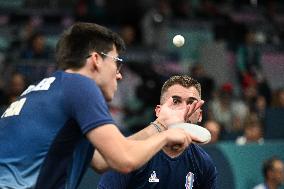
(193, 169)
(42, 134)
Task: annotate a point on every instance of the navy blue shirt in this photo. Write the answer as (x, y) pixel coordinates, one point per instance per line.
(193, 169)
(42, 134)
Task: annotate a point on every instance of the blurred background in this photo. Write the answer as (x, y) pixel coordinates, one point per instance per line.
(235, 49)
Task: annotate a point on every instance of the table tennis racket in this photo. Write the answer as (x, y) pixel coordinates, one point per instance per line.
(199, 134)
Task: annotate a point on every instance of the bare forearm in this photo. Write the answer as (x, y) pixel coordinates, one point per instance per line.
(144, 133)
(135, 153)
(148, 131)
(126, 153)
(98, 162)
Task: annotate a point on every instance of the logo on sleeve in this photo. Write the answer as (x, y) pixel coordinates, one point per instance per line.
(153, 177)
(189, 179)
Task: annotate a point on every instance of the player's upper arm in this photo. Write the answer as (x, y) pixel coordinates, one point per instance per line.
(111, 144)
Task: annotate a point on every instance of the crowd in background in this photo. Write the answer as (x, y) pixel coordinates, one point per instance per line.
(241, 96)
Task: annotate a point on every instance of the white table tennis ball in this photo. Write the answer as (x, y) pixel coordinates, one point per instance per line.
(178, 40)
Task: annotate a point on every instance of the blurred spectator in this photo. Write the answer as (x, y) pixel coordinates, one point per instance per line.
(263, 88)
(273, 172)
(278, 98)
(155, 23)
(207, 83)
(208, 9)
(139, 111)
(182, 9)
(253, 132)
(88, 9)
(21, 36)
(227, 110)
(215, 130)
(128, 34)
(257, 95)
(259, 107)
(274, 30)
(124, 11)
(16, 86)
(36, 47)
(125, 102)
(3, 99)
(3, 96)
(249, 87)
(248, 59)
(29, 28)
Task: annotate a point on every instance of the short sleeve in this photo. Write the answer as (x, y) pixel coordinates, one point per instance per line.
(85, 102)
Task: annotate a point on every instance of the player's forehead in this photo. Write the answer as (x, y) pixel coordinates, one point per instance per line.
(278, 164)
(184, 92)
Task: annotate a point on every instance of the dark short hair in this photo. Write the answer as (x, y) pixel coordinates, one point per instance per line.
(77, 42)
(268, 165)
(183, 80)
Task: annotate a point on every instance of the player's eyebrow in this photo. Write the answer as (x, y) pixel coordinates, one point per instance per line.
(192, 98)
(189, 100)
(176, 97)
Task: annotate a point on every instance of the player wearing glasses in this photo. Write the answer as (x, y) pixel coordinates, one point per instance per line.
(48, 135)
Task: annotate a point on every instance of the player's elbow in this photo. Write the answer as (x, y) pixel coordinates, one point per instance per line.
(125, 170)
(126, 166)
(98, 169)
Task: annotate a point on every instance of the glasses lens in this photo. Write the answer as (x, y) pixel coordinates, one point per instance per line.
(117, 60)
(119, 66)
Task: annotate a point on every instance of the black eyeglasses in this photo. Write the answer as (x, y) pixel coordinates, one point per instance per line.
(117, 60)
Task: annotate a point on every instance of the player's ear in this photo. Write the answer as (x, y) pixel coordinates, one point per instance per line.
(96, 63)
(157, 110)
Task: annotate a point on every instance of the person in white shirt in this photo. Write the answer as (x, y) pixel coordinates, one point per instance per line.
(273, 172)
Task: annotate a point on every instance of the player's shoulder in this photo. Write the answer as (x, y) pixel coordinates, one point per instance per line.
(76, 82)
(195, 150)
(202, 161)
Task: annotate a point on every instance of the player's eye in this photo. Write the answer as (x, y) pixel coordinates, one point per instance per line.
(190, 101)
(176, 100)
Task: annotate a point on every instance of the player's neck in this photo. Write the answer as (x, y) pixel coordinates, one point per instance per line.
(82, 71)
(172, 153)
